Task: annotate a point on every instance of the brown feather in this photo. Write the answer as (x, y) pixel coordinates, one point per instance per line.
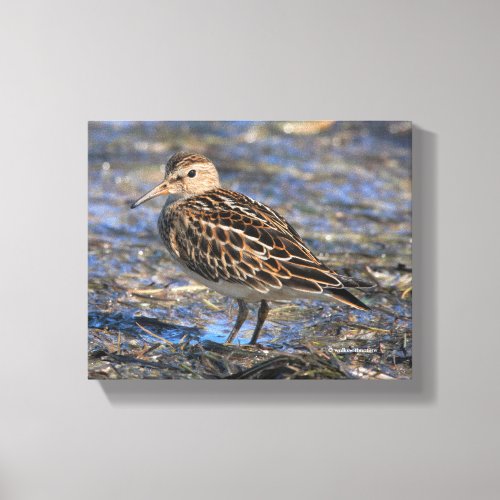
(242, 241)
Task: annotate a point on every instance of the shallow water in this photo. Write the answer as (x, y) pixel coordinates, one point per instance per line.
(345, 187)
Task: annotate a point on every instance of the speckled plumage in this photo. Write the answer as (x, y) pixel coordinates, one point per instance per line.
(238, 246)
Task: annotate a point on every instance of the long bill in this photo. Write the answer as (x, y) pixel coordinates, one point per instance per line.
(156, 191)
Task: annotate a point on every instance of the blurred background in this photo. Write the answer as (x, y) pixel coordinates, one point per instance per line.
(344, 186)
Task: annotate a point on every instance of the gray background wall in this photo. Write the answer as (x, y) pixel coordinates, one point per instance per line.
(64, 63)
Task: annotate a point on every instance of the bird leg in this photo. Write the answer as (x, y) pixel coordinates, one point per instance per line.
(242, 316)
(261, 317)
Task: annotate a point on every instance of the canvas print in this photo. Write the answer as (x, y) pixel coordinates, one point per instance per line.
(250, 250)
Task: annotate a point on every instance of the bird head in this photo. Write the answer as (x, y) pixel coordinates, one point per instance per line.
(186, 174)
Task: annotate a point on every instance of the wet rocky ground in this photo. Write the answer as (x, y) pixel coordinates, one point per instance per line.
(345, 187)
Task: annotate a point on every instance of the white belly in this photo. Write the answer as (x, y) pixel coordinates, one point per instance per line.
(247, 293)
(233, 290)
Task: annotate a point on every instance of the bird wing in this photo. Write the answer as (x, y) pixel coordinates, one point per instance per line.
(222, 235)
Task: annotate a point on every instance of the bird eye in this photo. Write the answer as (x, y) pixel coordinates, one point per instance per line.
(191, 173)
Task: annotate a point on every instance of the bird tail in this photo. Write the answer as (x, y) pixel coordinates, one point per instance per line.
(342, 295)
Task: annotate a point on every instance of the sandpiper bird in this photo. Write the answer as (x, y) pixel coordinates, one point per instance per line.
(238, 246)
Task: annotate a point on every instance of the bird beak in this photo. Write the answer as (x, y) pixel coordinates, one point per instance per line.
(156, 191)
